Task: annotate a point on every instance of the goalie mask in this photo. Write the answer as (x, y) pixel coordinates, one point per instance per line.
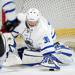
(33, 14)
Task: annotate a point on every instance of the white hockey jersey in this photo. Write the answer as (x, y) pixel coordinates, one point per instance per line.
(38, 37)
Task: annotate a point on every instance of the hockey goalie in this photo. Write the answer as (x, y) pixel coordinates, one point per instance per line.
(39, 47)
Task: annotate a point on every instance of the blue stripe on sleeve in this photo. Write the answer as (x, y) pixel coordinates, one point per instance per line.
(54, 35)
(10, 10)
(7, 3)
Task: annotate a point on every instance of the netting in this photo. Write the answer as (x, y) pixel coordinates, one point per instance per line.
(60, 13)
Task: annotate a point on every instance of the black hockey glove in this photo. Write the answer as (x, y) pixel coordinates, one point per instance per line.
(10, 25)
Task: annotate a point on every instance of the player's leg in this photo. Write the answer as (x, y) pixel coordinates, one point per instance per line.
(65, 56)
(64, 53)
(50, 61)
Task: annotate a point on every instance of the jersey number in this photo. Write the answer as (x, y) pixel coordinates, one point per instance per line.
(46, 39)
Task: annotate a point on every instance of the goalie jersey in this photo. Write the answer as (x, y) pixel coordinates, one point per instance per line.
(41, 38)
(38, 37)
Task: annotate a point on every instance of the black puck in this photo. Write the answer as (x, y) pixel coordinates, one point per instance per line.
(51, 69)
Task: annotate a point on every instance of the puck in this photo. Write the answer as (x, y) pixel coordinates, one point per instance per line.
(51, 69)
